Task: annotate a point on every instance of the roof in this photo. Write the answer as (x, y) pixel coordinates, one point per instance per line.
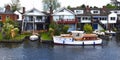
(4, 11)
(63, 11)
(102, 12)
(34, 11)
(77, 31)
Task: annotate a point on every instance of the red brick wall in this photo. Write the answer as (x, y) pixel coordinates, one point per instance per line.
(12, 17)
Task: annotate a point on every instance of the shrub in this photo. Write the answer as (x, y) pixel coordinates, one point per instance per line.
(88, 28)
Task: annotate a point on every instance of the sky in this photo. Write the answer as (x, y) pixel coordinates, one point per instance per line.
(29, 4)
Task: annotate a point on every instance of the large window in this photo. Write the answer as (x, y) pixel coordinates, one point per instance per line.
(30, 18)
(39, 18)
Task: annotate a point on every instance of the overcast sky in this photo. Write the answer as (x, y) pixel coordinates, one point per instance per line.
(29, 4)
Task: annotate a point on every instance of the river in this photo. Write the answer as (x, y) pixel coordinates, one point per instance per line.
(110, 50)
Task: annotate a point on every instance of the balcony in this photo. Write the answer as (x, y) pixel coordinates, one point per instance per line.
(37, 21)
(67, 21)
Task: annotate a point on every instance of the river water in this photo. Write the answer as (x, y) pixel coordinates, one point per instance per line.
(110, 50)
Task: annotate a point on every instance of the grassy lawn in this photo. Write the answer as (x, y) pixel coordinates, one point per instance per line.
(45, 36)
(17, 38)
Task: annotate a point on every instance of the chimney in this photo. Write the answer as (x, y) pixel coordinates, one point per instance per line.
(23, 10)
(103, 8)
(7, 8)
(87, 8)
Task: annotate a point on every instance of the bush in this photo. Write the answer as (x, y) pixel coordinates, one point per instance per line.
(9, 29)
(88, 28)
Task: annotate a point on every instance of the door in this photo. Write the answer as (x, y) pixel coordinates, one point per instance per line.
(95, 26)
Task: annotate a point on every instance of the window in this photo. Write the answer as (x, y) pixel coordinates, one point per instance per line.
(30, 18)
(112, 18)
(95, 12)
(61, 17)
(86, 18)
(79, 18)
(79, 11)
(7, 17)
(103, 18)
(39, 18)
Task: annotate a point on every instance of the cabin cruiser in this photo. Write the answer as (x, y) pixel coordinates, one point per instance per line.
(77, 38)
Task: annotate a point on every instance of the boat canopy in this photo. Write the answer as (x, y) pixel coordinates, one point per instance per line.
(77, 31)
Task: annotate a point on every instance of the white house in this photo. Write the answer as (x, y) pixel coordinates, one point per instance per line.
(65, 16)
(112, 17)
(34, 20)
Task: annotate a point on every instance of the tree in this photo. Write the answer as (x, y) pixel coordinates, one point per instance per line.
(88, 28)
(57, 29)
(114, 2)
(50, 5)
(110, 6)
(68, 7)
(9, 30)
(15, 5)
(83, 6)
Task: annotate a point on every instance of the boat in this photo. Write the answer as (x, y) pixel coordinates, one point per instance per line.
(77, 38)
(34, 37)
(110, 32)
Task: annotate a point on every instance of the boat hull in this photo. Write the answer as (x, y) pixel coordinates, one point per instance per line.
(70, 41)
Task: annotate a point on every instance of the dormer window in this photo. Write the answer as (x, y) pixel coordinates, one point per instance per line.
(95, 12)
(78, 11)
(112, 18)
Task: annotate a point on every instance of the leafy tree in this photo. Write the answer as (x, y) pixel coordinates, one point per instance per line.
(9, 30)
(54, 28)
(83, 6)
(110, 6)
(57, 29)
(88, 28)
(68, 7)
(15, 5)
(50, 4)
(65, 29)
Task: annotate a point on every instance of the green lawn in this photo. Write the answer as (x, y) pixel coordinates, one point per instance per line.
(17, 38)
(45, 36)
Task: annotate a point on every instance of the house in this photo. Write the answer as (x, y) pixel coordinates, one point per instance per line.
(35, 20)
(6, 13)
(97, 17)
(20, 13)
(114, 18)
(66, 17)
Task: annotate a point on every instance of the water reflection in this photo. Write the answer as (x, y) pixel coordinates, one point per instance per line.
(110, 50)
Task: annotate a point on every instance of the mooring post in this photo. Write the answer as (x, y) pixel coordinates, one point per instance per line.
(93, 44)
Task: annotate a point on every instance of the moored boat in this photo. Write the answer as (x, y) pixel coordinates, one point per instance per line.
(77, 38)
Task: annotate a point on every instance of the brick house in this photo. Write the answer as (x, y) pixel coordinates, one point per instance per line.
(7, 13)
